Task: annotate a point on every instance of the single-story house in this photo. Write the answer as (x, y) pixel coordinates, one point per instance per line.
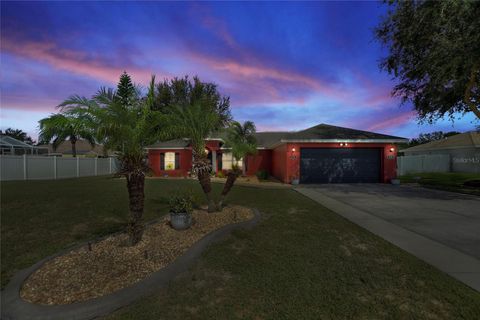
(461, 151)
(320, 154)
(83, 148)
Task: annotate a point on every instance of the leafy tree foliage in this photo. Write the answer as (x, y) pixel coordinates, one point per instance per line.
(434, 53)
(19, 135)
(429, 137)
(184, 92)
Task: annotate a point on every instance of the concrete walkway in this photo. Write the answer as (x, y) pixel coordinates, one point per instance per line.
(440, 228)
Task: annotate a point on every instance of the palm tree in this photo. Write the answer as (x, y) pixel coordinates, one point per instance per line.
(241, 140)
(62, 126)
(125, 120)
(197, 121)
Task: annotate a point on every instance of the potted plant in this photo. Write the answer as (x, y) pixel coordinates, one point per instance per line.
(181, 207)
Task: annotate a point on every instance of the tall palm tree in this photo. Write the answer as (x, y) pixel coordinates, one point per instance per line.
(241, 141)
(63, 126)
(197, 121)
(125, 120)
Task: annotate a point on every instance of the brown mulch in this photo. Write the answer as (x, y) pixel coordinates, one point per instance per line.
(112, 265)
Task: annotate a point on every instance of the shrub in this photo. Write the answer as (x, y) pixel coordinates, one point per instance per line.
(181, 203)
(220, 174)
(262, 174)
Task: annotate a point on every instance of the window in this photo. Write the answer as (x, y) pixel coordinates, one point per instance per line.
(169, 160)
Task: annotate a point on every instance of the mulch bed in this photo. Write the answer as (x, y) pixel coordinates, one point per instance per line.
(112, 265)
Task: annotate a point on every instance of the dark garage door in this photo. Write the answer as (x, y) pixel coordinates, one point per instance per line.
(342, 165)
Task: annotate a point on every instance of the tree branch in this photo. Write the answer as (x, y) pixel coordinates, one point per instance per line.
(468, 91)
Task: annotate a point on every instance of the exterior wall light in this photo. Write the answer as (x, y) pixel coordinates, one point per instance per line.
(346, 144)
(341, 144)
(293, 149)
(392, 149)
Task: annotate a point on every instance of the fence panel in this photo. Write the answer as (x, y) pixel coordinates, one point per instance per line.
(40, 168)
(11, 168)
(66, 168)
(47, 168)
(423, 163)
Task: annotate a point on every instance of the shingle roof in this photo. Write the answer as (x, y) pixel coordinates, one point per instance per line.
(463, 140)
(317, 133)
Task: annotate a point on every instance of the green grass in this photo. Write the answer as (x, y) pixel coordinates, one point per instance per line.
(301, 262)
(444, 181)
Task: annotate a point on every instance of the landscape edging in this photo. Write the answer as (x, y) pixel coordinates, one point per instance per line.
(14, 307)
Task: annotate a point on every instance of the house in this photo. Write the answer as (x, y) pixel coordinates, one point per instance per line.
(12, 146)
(83, 148)
(461, 153)
(320, 154)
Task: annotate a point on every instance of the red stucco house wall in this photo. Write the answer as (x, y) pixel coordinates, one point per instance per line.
(279, 153)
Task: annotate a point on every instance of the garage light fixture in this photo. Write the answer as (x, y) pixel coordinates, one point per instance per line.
(293, 149)
(392, 149)
(343, 144)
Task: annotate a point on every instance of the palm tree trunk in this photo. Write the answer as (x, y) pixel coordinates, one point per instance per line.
(136, 196)
(202, 168)
(231, 177)
(74, 147)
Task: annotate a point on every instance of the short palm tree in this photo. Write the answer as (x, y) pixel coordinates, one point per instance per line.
(197, 122)
(63, 126)
(241, 141)
(124, 119)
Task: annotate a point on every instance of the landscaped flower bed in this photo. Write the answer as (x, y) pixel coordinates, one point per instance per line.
(111, 265)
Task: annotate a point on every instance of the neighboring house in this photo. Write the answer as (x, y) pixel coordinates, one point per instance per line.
(461, 153)
(83, 147)
(12, 146)
(320, 154)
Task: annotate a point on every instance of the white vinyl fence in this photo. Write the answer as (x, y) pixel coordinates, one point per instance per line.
(28, 167)
(423, 163)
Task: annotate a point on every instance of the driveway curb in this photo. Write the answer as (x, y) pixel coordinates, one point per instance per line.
(14, 307)
(453, 262)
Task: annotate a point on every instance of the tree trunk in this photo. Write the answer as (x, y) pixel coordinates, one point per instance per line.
(204, 179)
(74, 147)
(136, 196)
(468, 91)
(231, 177)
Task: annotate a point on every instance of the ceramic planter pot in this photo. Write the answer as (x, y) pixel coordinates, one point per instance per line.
(180, 221)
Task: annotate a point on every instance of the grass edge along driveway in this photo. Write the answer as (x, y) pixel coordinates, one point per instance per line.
(302, 261)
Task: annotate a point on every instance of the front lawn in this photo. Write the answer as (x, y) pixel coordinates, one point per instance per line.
(302, 261)
(450, 181)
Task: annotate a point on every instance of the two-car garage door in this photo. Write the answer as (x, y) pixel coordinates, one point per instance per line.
(340, 165)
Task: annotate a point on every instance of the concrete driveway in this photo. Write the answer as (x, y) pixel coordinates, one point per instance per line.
(442, 228)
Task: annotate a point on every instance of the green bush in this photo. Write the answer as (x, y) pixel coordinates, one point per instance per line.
(182, 203)
(220, 174)
(262, 174)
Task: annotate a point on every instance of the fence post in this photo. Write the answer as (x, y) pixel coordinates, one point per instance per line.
(24, 166)
(96, 165)
(55, 167)
(78, 167)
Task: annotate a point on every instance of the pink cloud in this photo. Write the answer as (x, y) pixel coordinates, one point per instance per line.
(392, 122)
(73, 61)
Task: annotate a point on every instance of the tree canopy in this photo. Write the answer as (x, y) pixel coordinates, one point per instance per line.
(429, 137)
(434, 53)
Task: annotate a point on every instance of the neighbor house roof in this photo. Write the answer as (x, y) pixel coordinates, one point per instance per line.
(83, 147)
(318, 133)
(463, 140)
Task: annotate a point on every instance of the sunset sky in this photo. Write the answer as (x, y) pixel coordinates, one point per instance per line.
(286, 66)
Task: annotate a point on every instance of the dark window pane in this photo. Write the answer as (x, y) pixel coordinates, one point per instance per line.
(162, 161)
(177, 160)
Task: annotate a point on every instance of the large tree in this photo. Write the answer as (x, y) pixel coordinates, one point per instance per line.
(432, 136)
(196, 110)
(125, 120)
(240, 139)
(60, 127)
(434, 54)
